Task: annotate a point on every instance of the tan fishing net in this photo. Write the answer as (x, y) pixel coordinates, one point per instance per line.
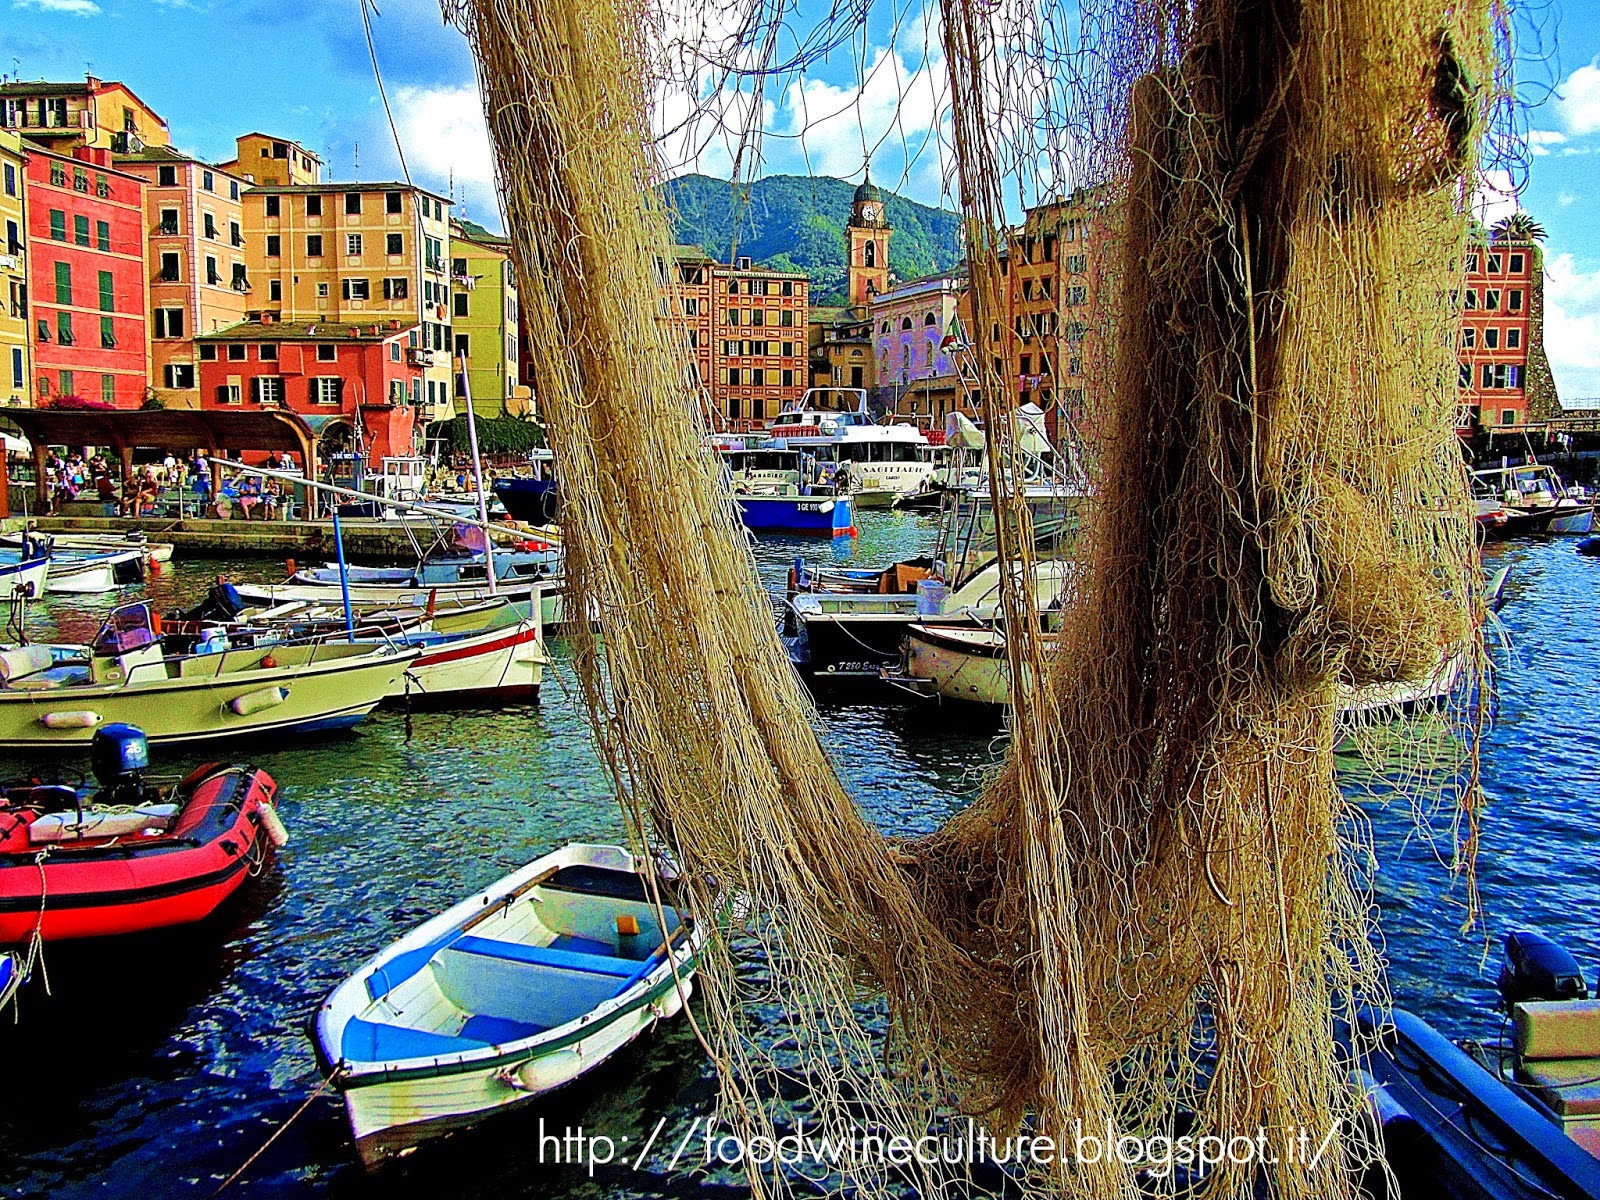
(1148, 920)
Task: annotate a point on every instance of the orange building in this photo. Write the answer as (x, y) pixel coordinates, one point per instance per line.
(271, 161)
(194, 223)
(95, 114)
(1505, 375)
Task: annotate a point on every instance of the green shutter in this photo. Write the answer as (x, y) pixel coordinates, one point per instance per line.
(58, 225)
(80, 229)
(107, 304)
(102, 233)
(108, 388)
(63, 283)
(108, 334)
(66, 383)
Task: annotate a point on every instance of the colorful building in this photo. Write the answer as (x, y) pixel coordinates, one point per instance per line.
(1505, 375)
(839, 345)
(484, 316)
(16, 351)
(365, 376)
(869, 233)
(743, 329)
(95, 114)
(194, 225)
(270, 161)
(357, 254)
(924, 370)
(87, 278)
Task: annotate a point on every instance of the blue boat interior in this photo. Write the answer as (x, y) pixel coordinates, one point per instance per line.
(533, 966)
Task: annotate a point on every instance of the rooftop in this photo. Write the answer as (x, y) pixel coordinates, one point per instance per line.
(306, 331)
(349, 186)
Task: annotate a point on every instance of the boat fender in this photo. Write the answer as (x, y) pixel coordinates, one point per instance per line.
(277, 834)
(80, 719)
(253, 702)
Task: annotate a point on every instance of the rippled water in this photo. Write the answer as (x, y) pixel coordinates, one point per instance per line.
(159, 1065)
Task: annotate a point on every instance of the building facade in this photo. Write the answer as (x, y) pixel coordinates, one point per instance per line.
(485, 319)
(198, 281)
(924, 369)
(87, 289)
(869, 233)
(270, 161)
(357, 254)
(102, 115)
(364, 374)
(1505, 377)
(16, 344)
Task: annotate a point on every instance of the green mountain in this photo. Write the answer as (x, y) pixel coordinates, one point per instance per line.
(797, 223)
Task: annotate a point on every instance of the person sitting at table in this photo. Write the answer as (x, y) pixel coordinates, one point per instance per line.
(249, 495)
(269, 501)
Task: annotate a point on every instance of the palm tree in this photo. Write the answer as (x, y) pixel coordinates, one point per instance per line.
(1518, 227)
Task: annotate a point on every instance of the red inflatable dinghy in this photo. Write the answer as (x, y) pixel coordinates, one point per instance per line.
(153, 859)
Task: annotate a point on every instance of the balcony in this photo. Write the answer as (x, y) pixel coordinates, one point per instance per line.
(419, 357)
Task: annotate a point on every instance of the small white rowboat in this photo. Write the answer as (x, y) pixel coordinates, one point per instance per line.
(509, 995)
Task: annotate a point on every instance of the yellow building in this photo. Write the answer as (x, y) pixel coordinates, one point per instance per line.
(357, 253)
(194, 226)
(100, 114)
(483, 309)
(16, 360)
(270, 161)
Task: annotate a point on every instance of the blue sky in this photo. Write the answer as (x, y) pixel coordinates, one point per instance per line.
(215, 68)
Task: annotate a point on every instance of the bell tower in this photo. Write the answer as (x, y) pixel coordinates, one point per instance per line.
(869, 246)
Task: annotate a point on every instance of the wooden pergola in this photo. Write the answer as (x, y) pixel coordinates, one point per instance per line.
(127, 430)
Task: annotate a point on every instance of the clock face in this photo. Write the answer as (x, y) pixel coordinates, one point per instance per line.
(869, 212)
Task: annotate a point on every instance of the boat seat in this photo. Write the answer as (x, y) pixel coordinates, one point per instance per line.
(545, 956)
(403, 966)
(497, 1031)
(1570, 1086)
(1557, 1043)
(583, 945)
(24, 660)
(372, 1041)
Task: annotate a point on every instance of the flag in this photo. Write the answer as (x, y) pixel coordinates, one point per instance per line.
(952, 336)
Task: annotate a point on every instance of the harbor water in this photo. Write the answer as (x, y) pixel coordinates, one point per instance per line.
(158, 1066)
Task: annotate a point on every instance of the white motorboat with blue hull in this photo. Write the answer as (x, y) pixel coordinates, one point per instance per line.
(512, 993)
(821, 516)
(26, 573)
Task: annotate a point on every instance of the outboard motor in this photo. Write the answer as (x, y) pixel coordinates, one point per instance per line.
(1537, 968)
(120, 755)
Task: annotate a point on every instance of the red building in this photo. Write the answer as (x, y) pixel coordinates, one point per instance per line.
(1505, 374)
(369, 376)
(87, 278)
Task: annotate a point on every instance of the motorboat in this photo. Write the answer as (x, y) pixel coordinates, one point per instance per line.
(1533, 499)
(25, 571)
(125, 676)
(133, 855)
(516, 991)
(96, 543)
(91, 573)
(875, 462)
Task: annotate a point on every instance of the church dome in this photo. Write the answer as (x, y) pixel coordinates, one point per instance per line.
(868, 191)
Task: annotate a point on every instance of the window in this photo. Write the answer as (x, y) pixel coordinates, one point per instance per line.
(16, 367)
(1076, 296)
(395, 243)
(63, 283)
(233, 189)
(267, 390)
(274, 246)
(167, 176)
(207, 182)
(237, 351)
(1501, 375)
(1494, 264)
(313, 245)
(106, 288)
(733, 316)
(108, 334)
(327, 389)
(391, 202)
(80, 229)
(356, 289)
(169, 322)
(208, 225)
(1491, 299)
(67, 384)
(208, 352)
(275, 291)
(327, 352)
(733, 376)
(102, 235)
(170, 270)
(272, 206)
(1513, 339)
(788, 349)
(1515, 301)
(1491, 339)
(1516, 264)
(394, 351)
(178, 375)
(352, 203)
(460, 304)
(235, 235)
(64, 332)
(758, 316)
(13, 238)
(1508, 416)
(1469, 337)
(58, 225)
(1472, 263)
(169, 222)
(691, 308)
(352, 241)
(227, 393)
(463, 346)
(322, 291)
(314, 205)
(11, 187)
(1469, 299)
(786, 318)
(212, 274)
(1464, 376)
(788, 287)
(733, 287)
(788, 378)
(396, 289)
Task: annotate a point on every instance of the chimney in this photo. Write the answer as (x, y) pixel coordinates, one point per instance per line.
(266, 318)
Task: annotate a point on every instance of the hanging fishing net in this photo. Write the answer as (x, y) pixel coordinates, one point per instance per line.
(1155, 915)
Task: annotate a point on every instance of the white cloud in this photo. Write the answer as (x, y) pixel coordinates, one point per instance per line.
(1572, 329)
(74, 8)
(1540, 140)
(1496, 197)
(1577, 102)
(1566, 199)
(447, 142)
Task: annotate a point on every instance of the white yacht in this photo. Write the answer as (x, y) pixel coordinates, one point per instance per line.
(833, 428)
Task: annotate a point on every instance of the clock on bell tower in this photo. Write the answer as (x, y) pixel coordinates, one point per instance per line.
(869, 246)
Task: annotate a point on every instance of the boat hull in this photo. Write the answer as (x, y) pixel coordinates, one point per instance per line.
(135, 887)
(533, 501)
(29, 576)
(819, 516)
(500, 664)
(552, 608)
(100, 573)
(332, 694)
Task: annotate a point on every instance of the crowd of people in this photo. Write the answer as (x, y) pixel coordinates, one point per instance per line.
(155, 488)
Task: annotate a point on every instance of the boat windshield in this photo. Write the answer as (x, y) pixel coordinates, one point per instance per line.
(127, 628)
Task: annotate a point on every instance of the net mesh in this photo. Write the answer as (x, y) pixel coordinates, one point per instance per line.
(1156, 911)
